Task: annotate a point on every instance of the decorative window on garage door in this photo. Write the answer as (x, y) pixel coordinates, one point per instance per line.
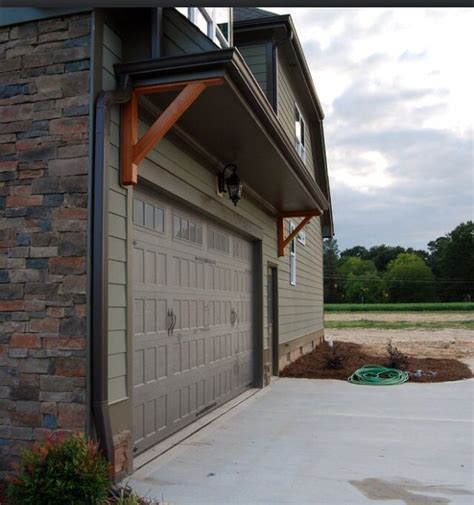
(187, 229)
(148, 215)
(241, 249)
(218, 241)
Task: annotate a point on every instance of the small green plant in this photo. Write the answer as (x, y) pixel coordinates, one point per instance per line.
(61, 471)
(126, 497)
(396, 359)
(334, 358)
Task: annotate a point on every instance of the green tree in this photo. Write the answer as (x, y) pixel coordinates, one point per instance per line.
(382, 255)
(409, 279)
(362, 283)
(330, 259)
(453, 260)
(358, 251)
(436, 250)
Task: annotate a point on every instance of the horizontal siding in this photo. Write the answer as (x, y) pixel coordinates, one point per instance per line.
(256, 58)
(286, 100)
(117, 243)
(301, 306)
(179, 39)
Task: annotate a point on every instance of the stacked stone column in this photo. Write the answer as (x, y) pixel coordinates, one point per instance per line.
(44, 164)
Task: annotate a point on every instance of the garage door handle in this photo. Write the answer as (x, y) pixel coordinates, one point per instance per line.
(233, 317)
(174, 322)
(171, 321)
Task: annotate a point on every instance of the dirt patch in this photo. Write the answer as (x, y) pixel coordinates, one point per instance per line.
(314, 364)
(454, 344)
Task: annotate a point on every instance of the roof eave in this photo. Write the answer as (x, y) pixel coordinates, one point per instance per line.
(230, 64)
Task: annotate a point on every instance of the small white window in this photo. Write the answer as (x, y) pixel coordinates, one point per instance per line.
(299, 133)
(301, 237)
(291, 228)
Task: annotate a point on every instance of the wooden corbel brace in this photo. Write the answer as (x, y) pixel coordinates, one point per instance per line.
(282, 241)
(135, 150)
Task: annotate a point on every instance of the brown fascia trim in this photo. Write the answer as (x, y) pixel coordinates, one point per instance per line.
(230, 64)
(286, 21)
(99, 293)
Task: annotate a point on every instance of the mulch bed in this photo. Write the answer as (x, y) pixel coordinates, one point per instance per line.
(3, 494)
(353, 356)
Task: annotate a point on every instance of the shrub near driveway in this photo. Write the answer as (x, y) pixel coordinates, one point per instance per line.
(61, 471)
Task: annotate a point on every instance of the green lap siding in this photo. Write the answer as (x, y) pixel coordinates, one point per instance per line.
(182, 37)
(255, 56)
(286, 99)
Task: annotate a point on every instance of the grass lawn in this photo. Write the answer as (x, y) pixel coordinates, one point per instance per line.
(397, 307)
(400, 325)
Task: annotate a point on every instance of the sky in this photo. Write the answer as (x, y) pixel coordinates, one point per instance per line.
(396, 87)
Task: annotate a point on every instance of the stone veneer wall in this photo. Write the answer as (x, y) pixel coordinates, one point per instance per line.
(44, 160)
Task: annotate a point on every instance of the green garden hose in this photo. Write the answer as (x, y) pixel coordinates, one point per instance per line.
(375, 375)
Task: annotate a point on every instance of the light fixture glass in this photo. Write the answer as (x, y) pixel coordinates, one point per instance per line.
(231, 184)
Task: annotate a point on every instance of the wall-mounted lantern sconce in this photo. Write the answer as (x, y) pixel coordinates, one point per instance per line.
(233, 183)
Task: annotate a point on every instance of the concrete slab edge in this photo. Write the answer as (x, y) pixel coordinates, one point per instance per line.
(166, 445)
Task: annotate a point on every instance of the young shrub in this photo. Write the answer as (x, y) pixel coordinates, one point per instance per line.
(124, 495)
(61, 470)
(334, 358)
(396, 359)
(126, 498)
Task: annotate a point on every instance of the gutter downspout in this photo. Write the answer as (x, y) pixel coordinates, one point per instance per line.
(99, 344)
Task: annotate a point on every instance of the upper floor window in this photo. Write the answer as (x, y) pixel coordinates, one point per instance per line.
(215, 22)
(299, 131)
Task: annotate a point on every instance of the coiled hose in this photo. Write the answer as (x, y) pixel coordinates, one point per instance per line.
(375, 375)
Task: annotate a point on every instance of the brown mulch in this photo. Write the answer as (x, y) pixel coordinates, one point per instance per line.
(3, 493)
(314, 364)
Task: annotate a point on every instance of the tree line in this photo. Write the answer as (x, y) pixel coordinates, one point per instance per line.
(444, 272)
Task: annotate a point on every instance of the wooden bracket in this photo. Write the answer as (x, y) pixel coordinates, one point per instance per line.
(282, 241)
(135, 150)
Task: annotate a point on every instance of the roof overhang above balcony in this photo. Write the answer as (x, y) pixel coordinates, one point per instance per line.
(235, 122)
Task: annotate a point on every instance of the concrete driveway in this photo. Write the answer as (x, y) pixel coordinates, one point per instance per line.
(315, 442)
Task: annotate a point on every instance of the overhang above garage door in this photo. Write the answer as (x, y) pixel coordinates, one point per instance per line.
(236, 123)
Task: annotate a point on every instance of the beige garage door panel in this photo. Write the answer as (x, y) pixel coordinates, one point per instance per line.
(192, 318)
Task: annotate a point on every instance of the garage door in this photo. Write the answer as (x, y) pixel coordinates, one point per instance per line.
(192, 317)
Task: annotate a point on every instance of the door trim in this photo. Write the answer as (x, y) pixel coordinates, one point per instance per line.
(274, 337)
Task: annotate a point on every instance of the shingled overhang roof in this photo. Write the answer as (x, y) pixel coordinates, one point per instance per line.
(247, 13)
(235, 123)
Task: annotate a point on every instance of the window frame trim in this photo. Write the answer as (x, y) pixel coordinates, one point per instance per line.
(213, 31)
(300, 146)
